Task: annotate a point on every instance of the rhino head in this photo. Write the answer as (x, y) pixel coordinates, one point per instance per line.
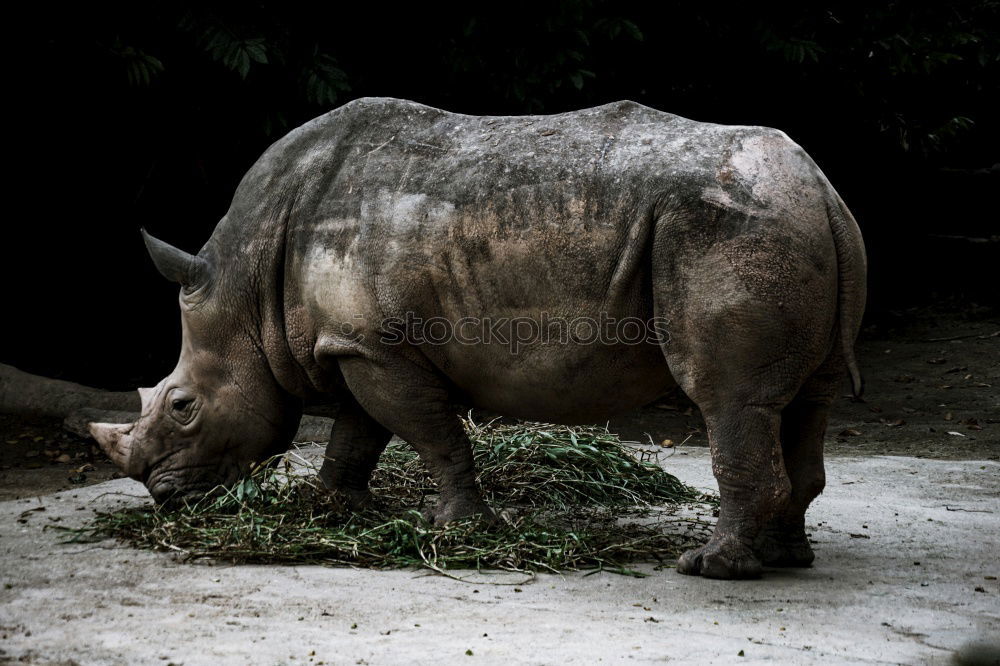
(220, 410)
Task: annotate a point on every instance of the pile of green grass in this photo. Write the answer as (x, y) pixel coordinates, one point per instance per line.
(568, 499)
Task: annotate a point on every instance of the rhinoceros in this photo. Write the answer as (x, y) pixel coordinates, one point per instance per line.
(384, 218)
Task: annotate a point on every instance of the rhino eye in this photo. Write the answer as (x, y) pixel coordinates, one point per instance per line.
(181, 404)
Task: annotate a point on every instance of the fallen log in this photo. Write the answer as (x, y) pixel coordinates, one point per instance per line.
(32, 395)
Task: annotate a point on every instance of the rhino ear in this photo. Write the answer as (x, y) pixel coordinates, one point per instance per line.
(176, 265)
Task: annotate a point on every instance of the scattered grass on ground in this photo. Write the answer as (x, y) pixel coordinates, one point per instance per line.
(568, 499)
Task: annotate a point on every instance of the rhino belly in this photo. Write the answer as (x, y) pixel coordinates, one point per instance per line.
(559, 383)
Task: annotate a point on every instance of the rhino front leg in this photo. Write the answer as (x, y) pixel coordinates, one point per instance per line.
(753, 488)
(448, 455)
(356, 442)
(413, 401)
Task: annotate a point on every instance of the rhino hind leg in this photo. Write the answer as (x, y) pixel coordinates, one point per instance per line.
(753, 488)
(413, 401)
(356, 442)
(751, 303)
(742, 374)
(783, 541)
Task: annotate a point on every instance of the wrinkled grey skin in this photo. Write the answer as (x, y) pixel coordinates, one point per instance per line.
(383, 207)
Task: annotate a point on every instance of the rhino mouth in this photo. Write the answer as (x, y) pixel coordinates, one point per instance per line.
(171, 497)
(171, 491)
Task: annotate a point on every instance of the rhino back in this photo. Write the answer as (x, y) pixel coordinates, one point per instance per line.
(452, 214)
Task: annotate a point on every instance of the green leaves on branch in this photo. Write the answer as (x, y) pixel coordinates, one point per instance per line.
(558, 52)
(140, 67)
(793, 49)
(617, 26)
(320, 79)
(234, 52)
(912, 136)
(578, 76)
(323, 80)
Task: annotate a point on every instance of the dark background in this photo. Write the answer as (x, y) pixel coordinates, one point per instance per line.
(149, 114)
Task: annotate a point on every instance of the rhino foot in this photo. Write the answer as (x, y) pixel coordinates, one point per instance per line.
(725, 557)
(353, 499)
(782, 548)
(449, 510)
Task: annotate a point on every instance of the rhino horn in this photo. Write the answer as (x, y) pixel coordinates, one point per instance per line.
(146, 398)
(176, 265)
(114, 441)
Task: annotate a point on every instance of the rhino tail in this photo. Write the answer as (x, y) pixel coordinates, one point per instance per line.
(852, 271)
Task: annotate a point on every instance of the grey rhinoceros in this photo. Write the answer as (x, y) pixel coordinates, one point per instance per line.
(385, 218)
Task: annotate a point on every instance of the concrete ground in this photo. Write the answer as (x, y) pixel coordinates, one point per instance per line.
(906, 572)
